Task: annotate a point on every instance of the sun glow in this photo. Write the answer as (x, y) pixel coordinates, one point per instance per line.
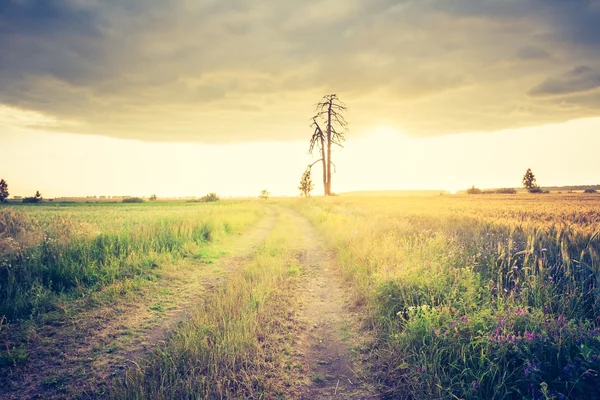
(378, 158)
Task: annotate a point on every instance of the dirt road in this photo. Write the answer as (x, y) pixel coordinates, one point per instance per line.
(330, 328)
(76, 356)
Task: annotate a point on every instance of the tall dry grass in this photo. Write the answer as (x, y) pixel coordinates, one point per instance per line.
(486, 298)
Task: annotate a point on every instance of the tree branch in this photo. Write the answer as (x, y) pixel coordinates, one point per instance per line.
(311, 165)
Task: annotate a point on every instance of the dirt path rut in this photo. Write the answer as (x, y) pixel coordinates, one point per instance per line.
(330, 327)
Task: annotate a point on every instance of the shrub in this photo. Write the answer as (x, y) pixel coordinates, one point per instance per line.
(133, 200)
(536, 189)
(590, 191)
(32, 200)
(506, 191)
(264, 194)
(474, 190)
(35, 199)
(210, 197)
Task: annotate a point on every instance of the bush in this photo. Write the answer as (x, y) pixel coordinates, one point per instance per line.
(506, 191)
(210, 197)
(474, 190)
(590, 191)
(536, 189)
(35, 199)
(133, 200)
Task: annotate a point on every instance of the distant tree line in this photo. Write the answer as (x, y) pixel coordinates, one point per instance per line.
(529, 182)
(474, 190)
(133, 200)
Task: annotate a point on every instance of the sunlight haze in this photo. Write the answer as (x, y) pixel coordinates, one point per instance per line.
(178, 99)
(378, 159)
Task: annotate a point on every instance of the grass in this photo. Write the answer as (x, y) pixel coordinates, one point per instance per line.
(470, 297)
(233, 345)
(53, 252)
(474, 298)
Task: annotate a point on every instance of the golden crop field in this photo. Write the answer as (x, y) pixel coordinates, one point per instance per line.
(469, 297)
(474, 296)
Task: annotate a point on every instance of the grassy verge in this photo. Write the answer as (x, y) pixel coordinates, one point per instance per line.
(470, 300)
(235, 344)
(49, 253)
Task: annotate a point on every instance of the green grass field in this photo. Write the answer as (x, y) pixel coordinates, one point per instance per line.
(53, 251)
(465, 297)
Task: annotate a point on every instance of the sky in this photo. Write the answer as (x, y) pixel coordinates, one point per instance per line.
(180, 98)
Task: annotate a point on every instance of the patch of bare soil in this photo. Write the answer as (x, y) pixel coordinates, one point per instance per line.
(76, 356)
(330, 343)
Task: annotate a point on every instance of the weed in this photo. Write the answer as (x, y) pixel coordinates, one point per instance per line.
(157, 307)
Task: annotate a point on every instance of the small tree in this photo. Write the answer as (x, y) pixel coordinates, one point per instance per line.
(3, 191)
(264, 194)
(153, 197)
(306, 184)
(529, 182)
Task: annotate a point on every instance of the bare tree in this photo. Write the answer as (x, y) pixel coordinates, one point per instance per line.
(329, 115)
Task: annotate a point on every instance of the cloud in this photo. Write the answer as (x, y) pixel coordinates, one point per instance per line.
(242, 70)
(532, 53)
(579, 79)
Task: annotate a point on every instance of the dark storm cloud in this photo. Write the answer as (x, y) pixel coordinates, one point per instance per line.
(532, 53)
(46, 37)
(220, 71)
(579, 79)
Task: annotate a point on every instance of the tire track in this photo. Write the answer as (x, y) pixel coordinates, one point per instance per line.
(64, 360)
(323, 347)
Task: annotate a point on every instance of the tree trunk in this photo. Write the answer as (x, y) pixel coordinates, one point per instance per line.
(328, 188)
(324, 165)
